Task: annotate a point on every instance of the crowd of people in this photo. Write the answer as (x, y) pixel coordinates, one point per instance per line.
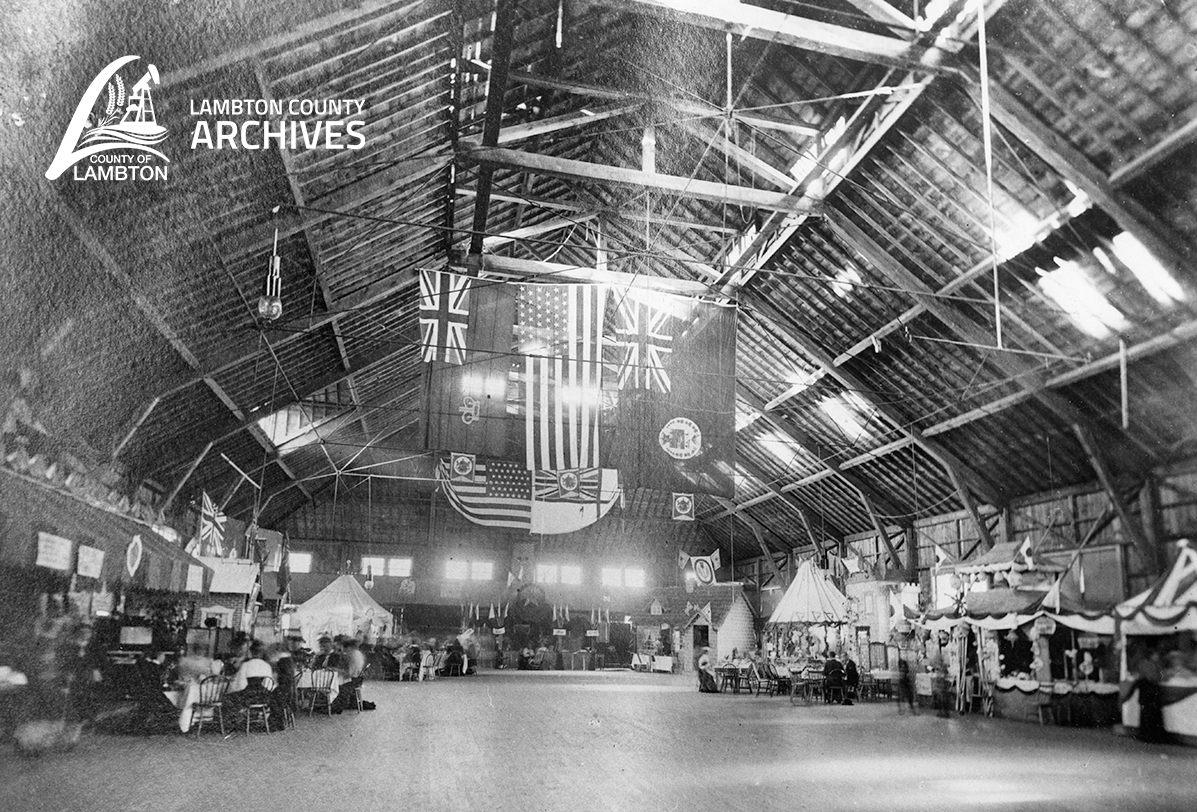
(422, 659)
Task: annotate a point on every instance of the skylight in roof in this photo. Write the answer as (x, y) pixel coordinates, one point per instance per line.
(782, 448)
(1070, 286)
(289, 423)
(1152, 275)
(846, 281)
(847, 412)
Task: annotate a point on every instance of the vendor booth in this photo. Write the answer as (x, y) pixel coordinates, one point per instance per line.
(1158, 629)
(1012, 645)
(344, 607)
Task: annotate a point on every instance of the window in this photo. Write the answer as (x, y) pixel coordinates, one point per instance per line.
(620, 576)
(469, 570)
(571, 575)
(301, 562)
(546, 573)
(378, 565)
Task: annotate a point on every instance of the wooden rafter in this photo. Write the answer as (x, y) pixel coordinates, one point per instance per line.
(502, 43)
(675, 184)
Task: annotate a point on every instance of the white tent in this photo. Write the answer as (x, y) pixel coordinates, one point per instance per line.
(1170, 605)
(344, 607)
(811, 598)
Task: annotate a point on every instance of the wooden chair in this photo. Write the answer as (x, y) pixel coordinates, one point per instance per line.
(814, 686)
(867, 690)
(783, 678)
(766, 679)
(320, 690)
(210, 702)
(259, 710)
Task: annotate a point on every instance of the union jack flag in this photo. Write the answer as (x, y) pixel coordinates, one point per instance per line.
(642, 332)
(572, 485)
(444, 314)
(211, 529)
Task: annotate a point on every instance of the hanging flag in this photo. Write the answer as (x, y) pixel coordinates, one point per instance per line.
(567, 613)
(283, 575)
(444, 314)
(943, 558)
(1026, 552)
(559, 332)
(852, 565)
(683, 507)
(643, 337)
(501, 495)
(467, 404)
(491, 616)
(715, 561)
(212, 528)
(608, 614)
(461, 467)
(670, 420)
(592, 616)
(510, 577)
(683, 560)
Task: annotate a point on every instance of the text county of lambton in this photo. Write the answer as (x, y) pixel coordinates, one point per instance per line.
(277, 107)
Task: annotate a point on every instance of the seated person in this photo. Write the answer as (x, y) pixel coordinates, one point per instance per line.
(454, 656)
(196, 664)
(154, 713)
(833, 674)
(351, 675)
(281, 658)
(851, 676)
(525, 661)
(247, 687)
(325, 656)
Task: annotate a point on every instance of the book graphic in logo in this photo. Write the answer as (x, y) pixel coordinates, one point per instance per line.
(111, 118)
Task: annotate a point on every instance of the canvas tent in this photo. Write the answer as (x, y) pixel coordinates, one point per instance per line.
(344, 607)
(811, 598)
(1170, 605)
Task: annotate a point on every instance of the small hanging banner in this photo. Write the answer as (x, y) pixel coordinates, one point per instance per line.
(195, 578)
(133, 555)
(558, 632)
(500, 631)
(91, 561)
(592, 632)
(54, 552)
(683, 507)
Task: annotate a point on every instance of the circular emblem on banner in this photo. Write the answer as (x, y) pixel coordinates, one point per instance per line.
(683, 505)
(463, 465)
(681, 438)
(133, 555)
(569, 481)
(704, 573)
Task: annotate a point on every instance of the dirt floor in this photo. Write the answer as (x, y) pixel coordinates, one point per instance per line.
(526, 741)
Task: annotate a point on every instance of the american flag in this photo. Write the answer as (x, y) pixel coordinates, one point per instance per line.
(211, 528)
(560, 330)
(505, 494)
(444, 314)
(642, 333)
(500, 494)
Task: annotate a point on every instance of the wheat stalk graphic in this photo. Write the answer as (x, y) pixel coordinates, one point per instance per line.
(116, 100)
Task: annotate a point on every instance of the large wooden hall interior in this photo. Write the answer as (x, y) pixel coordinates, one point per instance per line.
(575, 404)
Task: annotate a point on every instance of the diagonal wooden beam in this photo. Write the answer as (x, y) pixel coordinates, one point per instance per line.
(970, 506)
(760, 168)
(755, 527)
(566, 121)
(1130, 525)
(789, 29)
(830, 530)
(493, 241)
(682, 186)
(502, 43)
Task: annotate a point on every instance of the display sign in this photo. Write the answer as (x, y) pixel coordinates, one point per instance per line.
(195, 578)
(91, 561)
(54, 552)
(592, 632)
(500, 631)
(1045, 625)
(558, 632)
(1088, 641)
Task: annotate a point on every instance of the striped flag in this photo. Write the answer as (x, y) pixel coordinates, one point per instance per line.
(444, 314)
(505, 494)
(212, 527)
(642, 333)
(560, 331)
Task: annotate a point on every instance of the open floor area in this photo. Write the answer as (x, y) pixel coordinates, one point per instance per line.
(615, 740)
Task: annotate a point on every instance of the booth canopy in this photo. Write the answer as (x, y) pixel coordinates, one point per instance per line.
(811, 598)
(1170, 605)
(343, 607)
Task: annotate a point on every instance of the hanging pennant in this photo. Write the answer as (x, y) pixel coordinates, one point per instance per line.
(133, 556)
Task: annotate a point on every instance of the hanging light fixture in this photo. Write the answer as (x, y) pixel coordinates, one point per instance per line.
(270, 304)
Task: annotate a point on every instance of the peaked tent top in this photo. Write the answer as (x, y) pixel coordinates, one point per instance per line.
(1170, 605)
(811, 598)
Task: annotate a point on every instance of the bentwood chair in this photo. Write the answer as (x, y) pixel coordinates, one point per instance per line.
(320, 690)
(210, 703)
(259, 710)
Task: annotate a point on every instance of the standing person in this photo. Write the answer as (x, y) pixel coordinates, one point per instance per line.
(833, 677)
(707, 683)
(905, 685)
(1151, 708)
